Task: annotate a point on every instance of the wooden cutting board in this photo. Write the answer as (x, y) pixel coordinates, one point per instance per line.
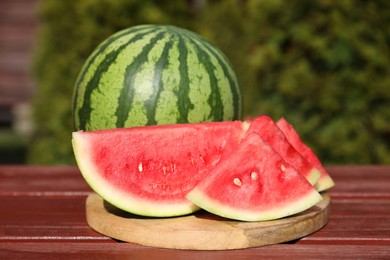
(201, 230)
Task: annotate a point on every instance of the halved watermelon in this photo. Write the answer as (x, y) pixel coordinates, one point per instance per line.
(255, 184)
(325, 181)
(270, 132)
(149, 170)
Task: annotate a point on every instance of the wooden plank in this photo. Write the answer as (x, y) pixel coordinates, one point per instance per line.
(53, 199)
(18, 11)
(46, 219)
(85, 250)
(37, 211)
(18, 24)
(356, 207)
(43, 215)
(17, 37)
(365, 228)
(39, 171)
(360, 181)
(359, 230)
(16, 62)
(42, 181)
(31, 217)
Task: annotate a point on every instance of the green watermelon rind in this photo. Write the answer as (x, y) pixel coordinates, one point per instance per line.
(155, 74)
(199, 198)
(118, 198)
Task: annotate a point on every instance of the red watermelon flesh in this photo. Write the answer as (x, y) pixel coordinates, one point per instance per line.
(149, 170)
(270, 132)
(254, 184)
(325, 181)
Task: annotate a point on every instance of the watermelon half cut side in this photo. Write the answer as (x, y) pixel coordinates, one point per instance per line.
(254, 184)
(325, 181)
(270, 132)
(149, 170)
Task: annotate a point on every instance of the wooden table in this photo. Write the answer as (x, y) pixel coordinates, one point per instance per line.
(42, 216)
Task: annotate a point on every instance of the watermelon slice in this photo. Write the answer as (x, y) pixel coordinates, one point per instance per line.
(149, 170)
(270, 132)
(325, 181)
(255, 184)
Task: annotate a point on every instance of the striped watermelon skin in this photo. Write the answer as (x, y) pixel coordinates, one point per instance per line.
(155, 74)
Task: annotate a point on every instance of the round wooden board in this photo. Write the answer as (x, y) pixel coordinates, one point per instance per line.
(201, 230)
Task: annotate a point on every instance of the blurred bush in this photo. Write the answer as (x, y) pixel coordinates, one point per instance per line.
(12, 147)
(323, 65)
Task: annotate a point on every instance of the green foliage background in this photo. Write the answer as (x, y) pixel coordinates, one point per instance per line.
(323, 65)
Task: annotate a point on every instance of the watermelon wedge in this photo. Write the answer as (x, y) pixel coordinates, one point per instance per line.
(325, 181)
(255, 184)
(270, 132)
(149, 170)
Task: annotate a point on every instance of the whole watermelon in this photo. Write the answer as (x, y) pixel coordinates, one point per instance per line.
(155, 74)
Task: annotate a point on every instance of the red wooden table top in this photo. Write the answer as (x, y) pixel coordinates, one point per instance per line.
(42, 215)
